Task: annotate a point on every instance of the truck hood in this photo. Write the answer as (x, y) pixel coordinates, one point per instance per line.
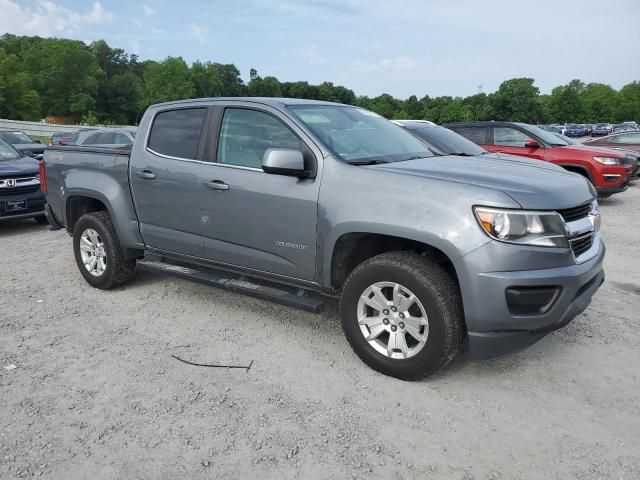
(533, 185)
(20, 166)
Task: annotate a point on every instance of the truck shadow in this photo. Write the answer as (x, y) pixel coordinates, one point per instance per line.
(19, 227)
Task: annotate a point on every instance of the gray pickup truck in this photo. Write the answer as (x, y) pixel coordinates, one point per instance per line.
(298, 201)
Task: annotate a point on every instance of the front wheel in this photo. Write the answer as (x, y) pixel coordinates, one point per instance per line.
(402, 315)
(98, 253)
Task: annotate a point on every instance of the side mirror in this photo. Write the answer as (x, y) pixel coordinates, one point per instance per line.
(28, 153)
(531, 144)
(284, 161)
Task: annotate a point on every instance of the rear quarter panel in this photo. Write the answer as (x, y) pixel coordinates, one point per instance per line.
(95, 173)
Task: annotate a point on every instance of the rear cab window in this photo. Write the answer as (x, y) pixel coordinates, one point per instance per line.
(176, 133)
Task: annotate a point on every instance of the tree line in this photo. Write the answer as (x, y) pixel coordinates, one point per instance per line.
(96, 83)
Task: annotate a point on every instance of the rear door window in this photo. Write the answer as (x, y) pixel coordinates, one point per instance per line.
(477, 134)
(90, 140)
(105, 138)
(176, 133)
(121, 139)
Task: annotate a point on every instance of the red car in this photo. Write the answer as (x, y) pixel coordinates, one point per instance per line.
(609, 170)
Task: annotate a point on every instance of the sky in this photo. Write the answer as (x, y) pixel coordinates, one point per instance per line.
(400, 47)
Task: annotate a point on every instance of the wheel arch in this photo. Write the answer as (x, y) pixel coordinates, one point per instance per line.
(352, 248)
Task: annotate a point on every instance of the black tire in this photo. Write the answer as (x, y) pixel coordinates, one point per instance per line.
(41, 220)
(439, 296)
(118, 270)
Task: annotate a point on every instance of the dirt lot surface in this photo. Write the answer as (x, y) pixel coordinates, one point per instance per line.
(96, 393)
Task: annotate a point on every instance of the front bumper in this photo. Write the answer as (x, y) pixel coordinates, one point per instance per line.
(34, 202)
(492, 327)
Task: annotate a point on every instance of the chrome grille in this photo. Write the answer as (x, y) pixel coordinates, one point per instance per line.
(11, 186)
(575, 213)
(581, 244)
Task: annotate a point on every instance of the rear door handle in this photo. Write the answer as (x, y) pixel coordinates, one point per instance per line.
(217, 185)
(146, 174)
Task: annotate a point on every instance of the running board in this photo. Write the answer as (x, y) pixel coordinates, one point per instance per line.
(238, 284)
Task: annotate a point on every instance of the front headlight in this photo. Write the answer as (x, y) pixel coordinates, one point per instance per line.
(608, 160)
(541, 229)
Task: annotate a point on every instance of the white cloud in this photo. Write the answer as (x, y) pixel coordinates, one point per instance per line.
(199, 32)
(148, 11)
(48, 18)
(313, 56)
(403, 62)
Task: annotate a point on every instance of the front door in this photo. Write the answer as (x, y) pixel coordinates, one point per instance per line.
(164, 182)
(250, 218)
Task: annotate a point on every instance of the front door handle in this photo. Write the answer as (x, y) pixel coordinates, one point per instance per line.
(217, 185)
(146, 174)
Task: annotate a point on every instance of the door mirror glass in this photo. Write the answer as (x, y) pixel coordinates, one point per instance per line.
(283, 161)
(531, 144)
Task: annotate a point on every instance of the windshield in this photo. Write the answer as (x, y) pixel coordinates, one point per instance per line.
(7, 152)
(602, 125)
(15, 138)
(358, 136)
(546, 137)
(566, 139)
(448, 142)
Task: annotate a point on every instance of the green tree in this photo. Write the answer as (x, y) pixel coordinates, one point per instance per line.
(18, 100)
(414, 108)
(167, 80)
(565, 104)
(517, 100)
(599, 102)
(629, 103)
(263, 87)
(206, 79)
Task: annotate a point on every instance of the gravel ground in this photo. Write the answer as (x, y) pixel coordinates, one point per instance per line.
(96, 393)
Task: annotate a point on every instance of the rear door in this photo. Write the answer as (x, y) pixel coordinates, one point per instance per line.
(164, 181)
(253, 219)
(507, 139)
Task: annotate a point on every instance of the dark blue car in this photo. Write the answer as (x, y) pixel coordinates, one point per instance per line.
(575, 131)
(20, 194)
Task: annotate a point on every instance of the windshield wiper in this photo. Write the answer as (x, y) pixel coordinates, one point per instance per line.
(369, 162)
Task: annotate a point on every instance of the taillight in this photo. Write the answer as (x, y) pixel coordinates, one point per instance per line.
(43, 177)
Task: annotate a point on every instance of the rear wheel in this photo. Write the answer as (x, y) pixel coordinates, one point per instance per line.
(98, 253)
(402, 315)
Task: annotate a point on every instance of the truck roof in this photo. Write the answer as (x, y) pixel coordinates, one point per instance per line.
(272, 101)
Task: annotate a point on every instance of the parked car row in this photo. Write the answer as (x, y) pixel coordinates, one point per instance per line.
(96, 137)
(594, 130)
(609, 170)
